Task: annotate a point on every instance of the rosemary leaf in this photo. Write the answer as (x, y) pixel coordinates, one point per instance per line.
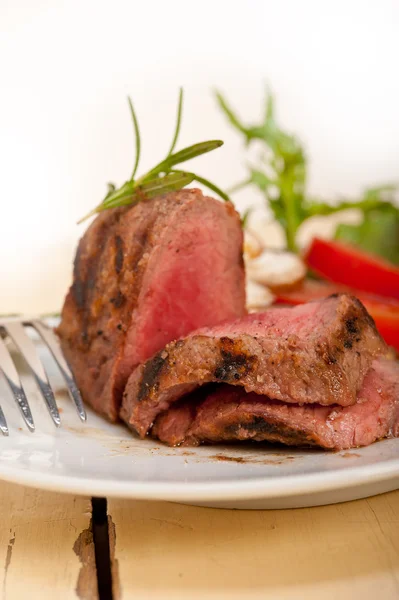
(229, 113)
(150, 189)
(184, 155)
(125, 190)
(178, 122)
(137, 138)
(111, 188)
(207, 184)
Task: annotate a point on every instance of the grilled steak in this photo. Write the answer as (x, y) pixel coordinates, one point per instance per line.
(315, 353)
(143, 276)
(229, 413)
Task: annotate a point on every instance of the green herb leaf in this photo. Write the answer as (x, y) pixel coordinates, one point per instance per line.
(282, 178)
(137, 138)
(244, 219)
(148, 190)
(184, 155)
(178, 121)
(207, 184)
(229, 113)
(377, 234)
(111, 188)
(269, 114)
(162, 178)
(212, 187)
(262, 181)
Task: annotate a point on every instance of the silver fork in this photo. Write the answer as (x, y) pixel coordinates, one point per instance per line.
(15, 330)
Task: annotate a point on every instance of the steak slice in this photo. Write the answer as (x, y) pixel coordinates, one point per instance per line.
(229, 414)
(317, 353)
(143, 276)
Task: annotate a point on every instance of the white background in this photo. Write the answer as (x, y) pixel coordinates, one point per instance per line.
(66, 68)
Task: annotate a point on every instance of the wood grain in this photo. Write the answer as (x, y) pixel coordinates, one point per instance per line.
(167, 551)
(37, 534)
(343, 551)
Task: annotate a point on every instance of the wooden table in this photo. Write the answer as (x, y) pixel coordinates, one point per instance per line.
(162, 551)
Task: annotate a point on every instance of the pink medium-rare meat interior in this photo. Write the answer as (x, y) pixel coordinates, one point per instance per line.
(145, 275)
(194, 276)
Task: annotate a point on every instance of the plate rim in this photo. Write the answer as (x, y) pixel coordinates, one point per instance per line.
(256, 488)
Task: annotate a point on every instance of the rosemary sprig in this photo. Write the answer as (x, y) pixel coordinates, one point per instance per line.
(137, 138)
(162, 178)
(178, 122)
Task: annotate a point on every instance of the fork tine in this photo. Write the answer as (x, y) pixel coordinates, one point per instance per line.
(3, 423)
(11, 375)
(26, 347)
(50, 339)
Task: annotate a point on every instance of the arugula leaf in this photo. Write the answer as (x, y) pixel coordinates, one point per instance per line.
(281, 177)
(284, 160)
(245, 217)
(378, 233)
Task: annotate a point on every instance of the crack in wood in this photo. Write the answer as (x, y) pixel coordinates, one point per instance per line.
(98, 578)
(102, 548)
(116, 586)
(7, 564)
(86, 587)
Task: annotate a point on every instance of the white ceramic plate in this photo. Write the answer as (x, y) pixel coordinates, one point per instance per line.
(100, 459)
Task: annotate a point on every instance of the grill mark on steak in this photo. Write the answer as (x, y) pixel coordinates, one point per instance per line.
(93, 303)
(119, 300)
(85, 273)
(261, 428)
(351, 326)
(78, 287)
(119, 253)
(357, 320)
(235, 363)
(97, 303)
(151, 372)
(367, 317)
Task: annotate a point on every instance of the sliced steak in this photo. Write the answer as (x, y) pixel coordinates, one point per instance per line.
(315, 353)
(229, 414)
(143, 276)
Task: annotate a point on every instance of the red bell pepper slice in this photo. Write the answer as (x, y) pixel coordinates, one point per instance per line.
(346, 265)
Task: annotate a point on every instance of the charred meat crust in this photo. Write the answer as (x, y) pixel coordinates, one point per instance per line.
(235, 362)
(355, 321)
(87, 268)
(261, 429)
(149, 381)
(119, 253)
(97, 310)
(118, 300)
